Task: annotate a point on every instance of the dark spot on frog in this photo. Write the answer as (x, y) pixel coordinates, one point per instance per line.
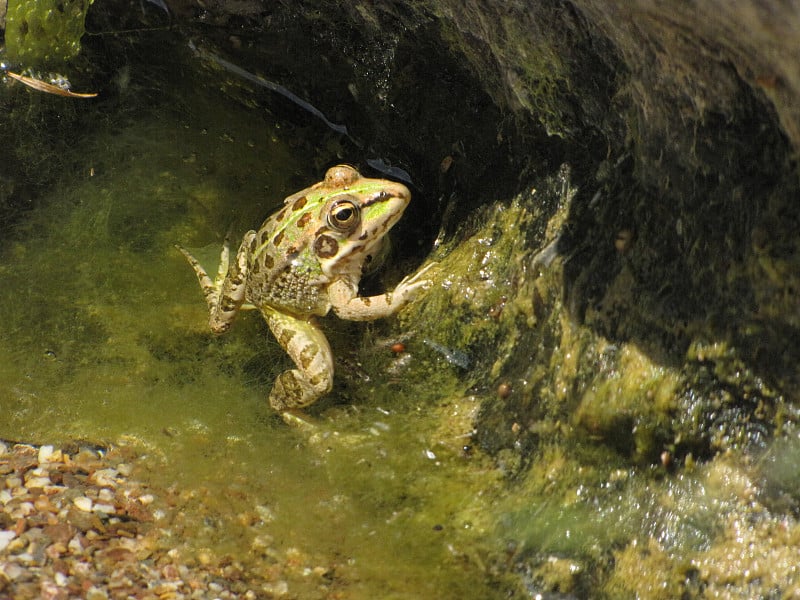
(379, 197)
(285, 337)
(256, 268)
(325, 246)
(303, 221)
(299, 203)
(280, 215)
(307, 354)
(363, 236)
(268, 261)
(276, 241)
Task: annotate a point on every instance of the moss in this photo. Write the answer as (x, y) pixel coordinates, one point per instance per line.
(644, 571)
(630, 405)
(44, 32)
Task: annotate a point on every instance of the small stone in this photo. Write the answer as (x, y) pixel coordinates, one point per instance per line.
(23, 510)
(18, 492)
(5, 538)
(276, 589)
(13, 482)
(124, 469)
(214, 587)
(104, 477)
(94, 593)
(75, 546)
(60, 533)
(43, 504)
(146, 499)
(60, 579)
(37, 482)
(83, 503)
(204, 557)
(104, 508)
(45, 453)
(17, 545)
(265, 513)
(13, 571)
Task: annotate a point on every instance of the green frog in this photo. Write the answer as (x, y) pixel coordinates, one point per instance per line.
(305, 260)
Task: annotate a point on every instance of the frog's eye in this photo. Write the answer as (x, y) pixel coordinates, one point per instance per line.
(344, 216)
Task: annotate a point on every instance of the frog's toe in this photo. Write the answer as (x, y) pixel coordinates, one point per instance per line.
(297, 419)
(417, 278)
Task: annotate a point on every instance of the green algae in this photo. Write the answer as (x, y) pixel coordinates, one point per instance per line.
(596, 439)
(110, 345)
(44, 32)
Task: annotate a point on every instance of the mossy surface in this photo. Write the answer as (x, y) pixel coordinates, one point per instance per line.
(44, 32)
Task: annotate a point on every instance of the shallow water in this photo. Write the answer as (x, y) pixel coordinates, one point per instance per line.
(105, 340)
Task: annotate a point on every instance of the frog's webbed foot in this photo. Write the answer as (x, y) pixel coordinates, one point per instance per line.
(294, 390)
(225, 294)
(412, 284)
(300, 421)
(210, 288)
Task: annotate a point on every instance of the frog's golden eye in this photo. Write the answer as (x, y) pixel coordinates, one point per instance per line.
(344, 215)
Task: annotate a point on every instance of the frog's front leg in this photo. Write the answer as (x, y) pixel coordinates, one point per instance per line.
(225, 294)
(307, 346)
(347, 304)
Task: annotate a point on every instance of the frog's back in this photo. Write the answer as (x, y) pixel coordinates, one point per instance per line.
(282, 275)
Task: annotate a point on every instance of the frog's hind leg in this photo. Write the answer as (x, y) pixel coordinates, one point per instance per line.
(313, 378)
(225, 294)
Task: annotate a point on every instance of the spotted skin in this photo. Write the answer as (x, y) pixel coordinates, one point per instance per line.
(305, 260)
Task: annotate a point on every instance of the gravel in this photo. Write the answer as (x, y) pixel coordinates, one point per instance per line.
(75, 524)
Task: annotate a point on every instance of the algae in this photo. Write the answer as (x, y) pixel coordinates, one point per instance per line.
(110, 345)
(44, 32)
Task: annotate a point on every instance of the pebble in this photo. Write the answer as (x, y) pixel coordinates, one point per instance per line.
(104, 508)
(105, 477)
(37, 482)
(45, 453)
(83, 503)
(5, 538)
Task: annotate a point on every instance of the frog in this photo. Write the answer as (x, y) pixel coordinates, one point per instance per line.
(305, 260)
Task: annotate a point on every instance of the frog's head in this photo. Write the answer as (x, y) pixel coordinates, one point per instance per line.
(356, 213)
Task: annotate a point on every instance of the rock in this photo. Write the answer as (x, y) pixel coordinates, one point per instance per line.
(83, 503)
(45, 453)
(5, 538)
